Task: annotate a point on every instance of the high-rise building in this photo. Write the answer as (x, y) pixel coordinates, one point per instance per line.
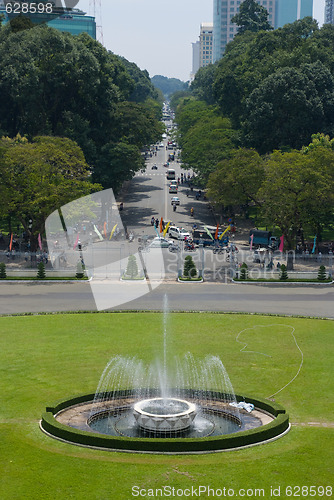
(75, 21)
(205, 44)
(195, 65)
(329, 12)
(223, 30)
(288, 11)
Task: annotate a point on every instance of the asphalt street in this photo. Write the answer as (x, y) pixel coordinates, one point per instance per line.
(316, 301)
(147, 196)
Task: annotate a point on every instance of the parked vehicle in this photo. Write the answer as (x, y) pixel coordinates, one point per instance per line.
(160, 243)
(263, 239)
(178, 233)
(202, 236)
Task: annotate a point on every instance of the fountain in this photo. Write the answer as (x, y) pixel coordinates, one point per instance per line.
(175, 405)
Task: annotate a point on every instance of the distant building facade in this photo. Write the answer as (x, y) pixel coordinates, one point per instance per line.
(195, 64)
(205, 44)
(329, 12)
(280, 12)
(224, 30)
(288, 11)
(75, 21)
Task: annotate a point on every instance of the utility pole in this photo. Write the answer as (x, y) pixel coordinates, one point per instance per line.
(95, 9)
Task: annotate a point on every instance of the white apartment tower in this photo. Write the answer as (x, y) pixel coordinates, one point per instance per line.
(205, 44)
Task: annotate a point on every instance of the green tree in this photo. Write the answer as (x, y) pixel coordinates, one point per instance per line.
(168, 86)
(41, 271)
(297, 192)
(205, 137)
(322, 275)
(3, 274)
(289, 106)
(189, 268)
(40, 176)
(236, 181)
(53, 83)
(251, 17)
(283, 273)
(80, 270)
(243, 271)
(202, 85)
(132, 268)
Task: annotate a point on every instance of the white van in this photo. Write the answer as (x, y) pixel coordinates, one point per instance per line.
(178, 233)
(170, 174)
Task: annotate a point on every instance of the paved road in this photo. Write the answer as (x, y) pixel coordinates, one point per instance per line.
(148, 195)
(311, 301)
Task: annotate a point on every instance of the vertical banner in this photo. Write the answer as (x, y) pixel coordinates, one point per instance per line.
(314, 244)
(281, 247)
(40, 241)
(11, 242)
(76, 242)
(251, 241)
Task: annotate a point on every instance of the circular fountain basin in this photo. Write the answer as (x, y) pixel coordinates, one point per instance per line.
(164, 415)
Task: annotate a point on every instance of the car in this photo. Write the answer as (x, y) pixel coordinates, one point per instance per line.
(160, 243)
(175, 200)
(154, 167)
(161, 145)
(173, 189)
(178, 233)
(173, 183)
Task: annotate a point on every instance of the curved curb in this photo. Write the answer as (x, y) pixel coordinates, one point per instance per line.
(277, 427)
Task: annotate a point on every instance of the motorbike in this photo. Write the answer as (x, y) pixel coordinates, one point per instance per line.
(174, 207)
(173, 248)
(189, 248)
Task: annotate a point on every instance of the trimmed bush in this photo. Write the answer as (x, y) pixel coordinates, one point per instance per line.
(41, 271)
(80, 271)
(322, 275)
(243, 271)
(131, 268)
(189, 269)
(3, 274)
(283, 274)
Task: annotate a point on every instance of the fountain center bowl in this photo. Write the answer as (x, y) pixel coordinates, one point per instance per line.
(161, 415)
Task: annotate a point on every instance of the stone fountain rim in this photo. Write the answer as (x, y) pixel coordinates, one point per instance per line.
(191, 407)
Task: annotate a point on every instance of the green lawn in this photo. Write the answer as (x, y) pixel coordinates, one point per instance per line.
(46, 358)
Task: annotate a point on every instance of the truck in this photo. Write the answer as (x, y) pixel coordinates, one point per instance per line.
(264, 239)
(201, 236)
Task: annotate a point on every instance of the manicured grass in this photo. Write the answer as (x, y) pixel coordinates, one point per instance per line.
(46, 358)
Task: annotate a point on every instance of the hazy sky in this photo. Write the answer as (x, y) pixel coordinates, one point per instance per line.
(157, 34)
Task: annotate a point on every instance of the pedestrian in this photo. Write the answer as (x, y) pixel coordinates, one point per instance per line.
(157, 222)
(152, 221)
